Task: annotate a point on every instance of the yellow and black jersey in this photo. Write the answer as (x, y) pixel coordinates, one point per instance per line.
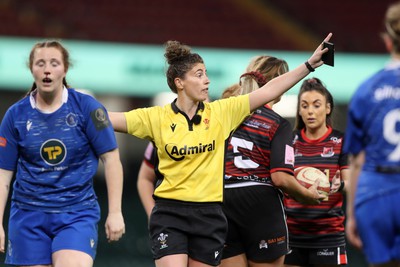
(190, 153)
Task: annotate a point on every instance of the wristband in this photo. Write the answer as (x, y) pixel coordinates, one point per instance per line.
(311, 69)
(341, 186)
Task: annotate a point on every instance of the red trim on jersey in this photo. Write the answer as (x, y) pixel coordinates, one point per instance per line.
(303, 135)
(290, 171)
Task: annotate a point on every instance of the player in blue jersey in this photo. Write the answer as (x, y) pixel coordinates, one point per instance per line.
(373, 141)
(316, 232)
(52, 141)
(187, 225)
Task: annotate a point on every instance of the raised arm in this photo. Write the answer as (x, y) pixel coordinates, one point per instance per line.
(284, 82)
(118, 121)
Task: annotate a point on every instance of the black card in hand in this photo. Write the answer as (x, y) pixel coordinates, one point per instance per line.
(328, 57)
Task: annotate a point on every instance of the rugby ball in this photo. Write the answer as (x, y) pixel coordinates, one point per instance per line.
(307, 177)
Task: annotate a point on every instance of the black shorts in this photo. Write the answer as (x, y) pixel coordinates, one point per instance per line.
(196, 229)
(317, 256)
(256, 223)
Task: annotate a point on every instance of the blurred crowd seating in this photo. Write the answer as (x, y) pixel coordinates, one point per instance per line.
(250, 24)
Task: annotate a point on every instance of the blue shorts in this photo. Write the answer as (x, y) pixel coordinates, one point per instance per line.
(378, 221)
(33, 236)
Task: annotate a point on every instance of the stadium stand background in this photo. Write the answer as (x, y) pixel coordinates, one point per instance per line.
(242, 24)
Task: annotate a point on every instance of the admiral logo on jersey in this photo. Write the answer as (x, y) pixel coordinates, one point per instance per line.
(178, 153)
(53, 152)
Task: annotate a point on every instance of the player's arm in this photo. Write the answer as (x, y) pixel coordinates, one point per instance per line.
(288, 184)
(356, 163)
(5, 181)
(145, 186)
(118, 121)
(345, 176)
(115, 226)
(283, 159)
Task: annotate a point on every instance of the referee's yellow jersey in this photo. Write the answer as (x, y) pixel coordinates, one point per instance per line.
(191, 156)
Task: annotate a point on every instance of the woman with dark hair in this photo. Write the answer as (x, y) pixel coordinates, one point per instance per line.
(316, 232)
(187, 226)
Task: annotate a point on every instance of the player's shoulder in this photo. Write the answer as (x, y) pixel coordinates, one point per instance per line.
(80, 95)
(367, 88)
(19, 106)
(83, 100)
(337, 133)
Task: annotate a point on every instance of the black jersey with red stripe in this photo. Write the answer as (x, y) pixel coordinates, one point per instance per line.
(260, 146)
(312, 226)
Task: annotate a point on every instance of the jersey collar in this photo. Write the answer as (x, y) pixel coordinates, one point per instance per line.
(177, 110)
(32, 95)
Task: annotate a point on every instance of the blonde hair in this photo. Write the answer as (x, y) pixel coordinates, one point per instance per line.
(261, 70)
(233, 90)
(392, 24)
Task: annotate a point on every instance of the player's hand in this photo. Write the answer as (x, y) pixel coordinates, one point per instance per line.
(115, 226)
(352, 233)
(315, 60)
(315, 198)
(2, 239)
(336, 182)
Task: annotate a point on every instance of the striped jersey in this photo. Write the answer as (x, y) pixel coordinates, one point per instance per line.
(55, 155)
(190, 156)
(260, 146)
(322, 225)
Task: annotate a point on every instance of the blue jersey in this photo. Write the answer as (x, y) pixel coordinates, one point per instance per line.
(55, 155)
(374, 127)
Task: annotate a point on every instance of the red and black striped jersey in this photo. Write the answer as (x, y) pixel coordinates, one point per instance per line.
(322, 225)
(259, 146)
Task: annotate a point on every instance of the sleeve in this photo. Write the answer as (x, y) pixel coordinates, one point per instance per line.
(232, 111)
(354, 136)
(98, 128)
(140, 121)
(8, 143)
(282, 153)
